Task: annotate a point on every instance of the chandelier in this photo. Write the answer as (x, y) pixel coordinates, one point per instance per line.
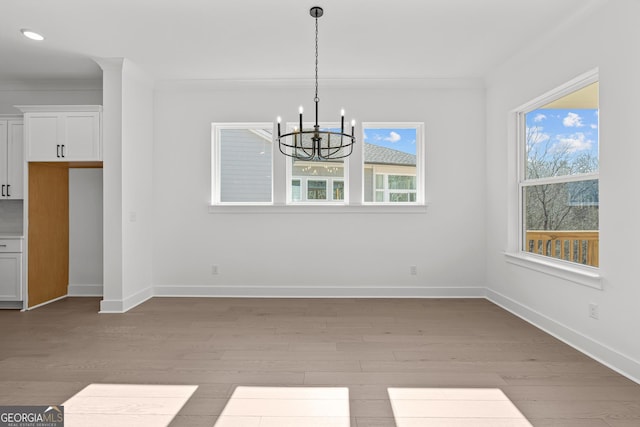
(316, 144)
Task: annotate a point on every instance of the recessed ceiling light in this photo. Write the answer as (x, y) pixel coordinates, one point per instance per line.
(32, 35)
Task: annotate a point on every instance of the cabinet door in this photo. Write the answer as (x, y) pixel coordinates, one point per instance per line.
(15, 160)
(82, 140)
(10, 277)
(44, 136)
(3, 158)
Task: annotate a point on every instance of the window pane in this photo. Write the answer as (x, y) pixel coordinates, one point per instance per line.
(295, 190)
(338, 190)
(379, 182)
(561, 220)
(561, 139)
(245, 165)
(401, 182)
(316, 190)
(398, 197)
(379, 196)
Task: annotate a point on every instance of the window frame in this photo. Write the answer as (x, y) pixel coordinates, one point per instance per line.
(516, 254)
(419, 168)
(216, 168)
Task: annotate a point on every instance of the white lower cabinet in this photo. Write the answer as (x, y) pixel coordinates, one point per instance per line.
(10, 276)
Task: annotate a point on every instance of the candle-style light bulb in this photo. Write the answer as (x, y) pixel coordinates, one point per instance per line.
(301, 110)
(279, 120)
(353, 125)
(342, 121)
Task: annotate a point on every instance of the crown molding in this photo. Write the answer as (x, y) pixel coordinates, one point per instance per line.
(350, 83)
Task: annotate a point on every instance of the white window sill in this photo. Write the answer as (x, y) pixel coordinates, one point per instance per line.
(582, 275)
(315, 209)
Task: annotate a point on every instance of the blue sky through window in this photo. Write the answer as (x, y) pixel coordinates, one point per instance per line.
(395, 138)
(573, 130)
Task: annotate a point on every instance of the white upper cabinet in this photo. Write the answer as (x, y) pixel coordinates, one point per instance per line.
(11, 159)
(65, 133)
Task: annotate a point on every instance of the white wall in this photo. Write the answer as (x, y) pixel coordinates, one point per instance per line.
(606, 37)
(319, 254)
(85, 232)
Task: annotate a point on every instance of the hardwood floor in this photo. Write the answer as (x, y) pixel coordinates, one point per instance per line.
(366, 345)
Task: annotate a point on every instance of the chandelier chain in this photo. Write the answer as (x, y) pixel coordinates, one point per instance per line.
(316, 99)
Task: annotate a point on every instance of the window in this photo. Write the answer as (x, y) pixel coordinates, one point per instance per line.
(392, 166)
(245, 171)
(242, 156)
(559, 179)
(317, 182)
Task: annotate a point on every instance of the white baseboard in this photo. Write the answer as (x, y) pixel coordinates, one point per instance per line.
(124, 305)
(318, 292)
(609, 357)
(85, 291)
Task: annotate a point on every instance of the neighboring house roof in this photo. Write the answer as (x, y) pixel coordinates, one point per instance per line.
(387, 156)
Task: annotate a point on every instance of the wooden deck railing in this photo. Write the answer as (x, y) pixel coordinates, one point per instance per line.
(577, 246)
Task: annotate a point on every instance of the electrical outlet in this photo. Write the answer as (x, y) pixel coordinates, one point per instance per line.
(214, 269)
(593, 311)
(413, 270)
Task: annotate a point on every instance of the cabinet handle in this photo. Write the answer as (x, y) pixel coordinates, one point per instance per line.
(3, 190)
(3, 246)
(8, 185)
(62, 150)
(58, 151)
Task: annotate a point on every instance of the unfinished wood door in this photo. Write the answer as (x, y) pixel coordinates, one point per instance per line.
(48, 272)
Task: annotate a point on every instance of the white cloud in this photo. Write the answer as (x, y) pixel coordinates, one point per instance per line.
(573, 143)
(539, 117)
(572, 120)
(594, 126)
(393, 137)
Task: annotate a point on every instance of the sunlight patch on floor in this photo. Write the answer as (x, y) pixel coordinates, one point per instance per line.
(286, 407)
(119, 405)
(452, 407)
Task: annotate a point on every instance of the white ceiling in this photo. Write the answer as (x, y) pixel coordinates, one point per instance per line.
(261, 39)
